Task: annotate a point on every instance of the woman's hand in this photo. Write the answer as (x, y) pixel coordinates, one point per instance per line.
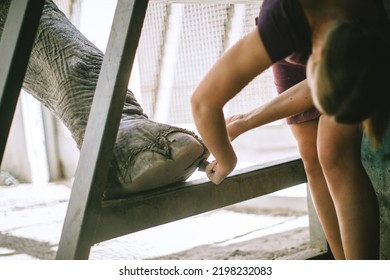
(217, 172)
(234, 126)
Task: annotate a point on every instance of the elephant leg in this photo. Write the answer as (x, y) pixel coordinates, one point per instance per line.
(62, 74)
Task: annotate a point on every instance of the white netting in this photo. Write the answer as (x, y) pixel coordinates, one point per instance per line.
(150, 53)
(204, 34)
(262, 88)
(202, 41)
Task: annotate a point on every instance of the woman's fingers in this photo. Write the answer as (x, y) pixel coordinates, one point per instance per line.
(215, 173)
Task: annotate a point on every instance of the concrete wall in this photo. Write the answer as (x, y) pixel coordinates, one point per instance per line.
(377, 164)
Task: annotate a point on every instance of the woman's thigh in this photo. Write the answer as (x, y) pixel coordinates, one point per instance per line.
(306, 136)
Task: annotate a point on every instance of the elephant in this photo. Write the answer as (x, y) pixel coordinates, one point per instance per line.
(62, 74)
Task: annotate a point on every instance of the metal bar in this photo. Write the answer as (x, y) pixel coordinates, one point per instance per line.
(165, 205)
(96, 153)
(15, 47)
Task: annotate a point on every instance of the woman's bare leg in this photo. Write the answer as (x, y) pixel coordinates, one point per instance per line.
(339, 148)
(306, 136)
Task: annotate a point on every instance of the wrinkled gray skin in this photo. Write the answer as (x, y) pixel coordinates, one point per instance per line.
(62, 74)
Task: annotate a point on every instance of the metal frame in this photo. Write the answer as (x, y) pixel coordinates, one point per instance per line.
(15, 48)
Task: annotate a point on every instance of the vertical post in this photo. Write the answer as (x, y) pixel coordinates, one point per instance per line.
(317, 235)
(96, 152)
(15, 47)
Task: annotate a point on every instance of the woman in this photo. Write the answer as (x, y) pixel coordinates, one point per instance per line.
(294, 37)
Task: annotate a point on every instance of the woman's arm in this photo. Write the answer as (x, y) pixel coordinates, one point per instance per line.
(295, 100)
(232, 72)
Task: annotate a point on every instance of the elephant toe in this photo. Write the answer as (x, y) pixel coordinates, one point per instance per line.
(151, 169)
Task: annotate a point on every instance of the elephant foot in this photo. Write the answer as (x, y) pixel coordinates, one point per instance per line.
(171, 155)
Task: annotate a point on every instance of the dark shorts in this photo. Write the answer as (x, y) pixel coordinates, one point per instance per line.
(286, 75)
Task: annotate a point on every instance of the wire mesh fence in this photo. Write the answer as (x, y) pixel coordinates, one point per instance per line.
(180, 43)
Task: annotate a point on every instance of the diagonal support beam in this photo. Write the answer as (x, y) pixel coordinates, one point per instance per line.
(15, 48)
(145, 210)
(97, 150)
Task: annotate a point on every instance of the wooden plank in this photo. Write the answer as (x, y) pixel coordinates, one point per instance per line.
(179, 201)
(15, 47)
(96, 153)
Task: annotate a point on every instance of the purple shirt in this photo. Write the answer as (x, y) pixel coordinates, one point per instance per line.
(285, 31)
(286, 34)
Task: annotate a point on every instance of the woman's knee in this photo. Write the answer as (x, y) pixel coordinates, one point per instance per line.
(338, 148)
(310, 160)
(330, 157)
(306, 136)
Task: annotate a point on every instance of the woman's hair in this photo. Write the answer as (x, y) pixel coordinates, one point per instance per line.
(353, 78)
